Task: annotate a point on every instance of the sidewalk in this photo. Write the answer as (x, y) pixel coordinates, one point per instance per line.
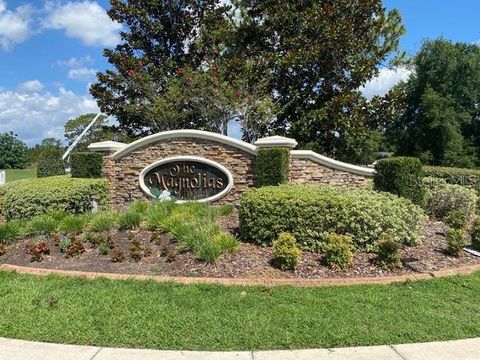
(450, 350)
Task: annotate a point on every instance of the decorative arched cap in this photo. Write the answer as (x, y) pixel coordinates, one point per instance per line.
(276, 141)
(175, 134)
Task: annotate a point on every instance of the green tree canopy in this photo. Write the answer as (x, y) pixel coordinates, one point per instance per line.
(313, 56)
(441, 121)
(13, 152)
(280, 67)
(166, 43)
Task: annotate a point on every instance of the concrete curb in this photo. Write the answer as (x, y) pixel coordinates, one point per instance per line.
(468, 349)
(246, 281)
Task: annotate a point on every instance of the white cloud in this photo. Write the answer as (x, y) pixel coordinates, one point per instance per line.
(30, 86)
(75, 62)
(386, 79)
(84, 74)
(35, 116)
(14, 25)
(84, 20)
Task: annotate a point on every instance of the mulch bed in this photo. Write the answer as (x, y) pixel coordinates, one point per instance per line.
(250, 261)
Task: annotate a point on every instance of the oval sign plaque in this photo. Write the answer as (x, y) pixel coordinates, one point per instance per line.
(190, 178)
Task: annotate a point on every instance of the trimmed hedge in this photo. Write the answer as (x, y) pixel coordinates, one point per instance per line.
(50, 163)
(86, 165)
(310, 213)
(469, 178)
(272, 166)
(32, 197)
(400, 176)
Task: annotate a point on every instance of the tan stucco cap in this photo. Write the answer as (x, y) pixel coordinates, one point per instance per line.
(106, 146)
(276, 141)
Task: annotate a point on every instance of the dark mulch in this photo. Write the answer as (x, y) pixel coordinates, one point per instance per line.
(250, 261)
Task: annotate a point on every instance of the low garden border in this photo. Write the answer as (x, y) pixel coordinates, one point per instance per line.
(464, 270)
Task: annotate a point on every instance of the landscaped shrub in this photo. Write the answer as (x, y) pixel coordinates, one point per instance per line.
(103, 249)
(137, 251)
(401, 176)
(50, 163)
(338, 251)
(64, 244)
(286, 254)
(272, 166)
(469, 178)
(455, 241)
(117, 255)
(443, 199)
(31, 197)
(457, 219)
(3, 250)
(86, 165)
(37, 250)
(311, 212)
(387, 254)
(475, 234)
(75, 248)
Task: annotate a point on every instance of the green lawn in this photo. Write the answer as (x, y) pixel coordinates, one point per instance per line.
(208, 317)
(19, 174)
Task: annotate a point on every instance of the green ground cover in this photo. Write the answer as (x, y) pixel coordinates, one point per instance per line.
(19, 174)
(147, 314)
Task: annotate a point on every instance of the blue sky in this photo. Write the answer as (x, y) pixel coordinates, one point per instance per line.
(51, 49)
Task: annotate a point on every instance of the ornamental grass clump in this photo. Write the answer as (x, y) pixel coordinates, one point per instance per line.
(286, 254)
(455, 241)
(387, 253)
(73, 224)
(103, 221)
(11, 231)
(129, 220)
(194, 226)
(157, 214)
(45, 224)
(338, 251)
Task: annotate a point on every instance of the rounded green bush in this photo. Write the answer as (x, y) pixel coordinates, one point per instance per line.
(286, 254)
(312, 212)
(32, 197)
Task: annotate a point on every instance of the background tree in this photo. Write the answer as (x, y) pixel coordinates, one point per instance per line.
(100, 131)
(441, 121)
(164, 40)
(312, 57)
(13, 152)
(34, 152)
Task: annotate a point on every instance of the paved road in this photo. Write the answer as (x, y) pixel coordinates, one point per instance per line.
(450, 350)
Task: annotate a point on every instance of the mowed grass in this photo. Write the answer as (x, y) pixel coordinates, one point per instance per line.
(147, 314)
(19, 174)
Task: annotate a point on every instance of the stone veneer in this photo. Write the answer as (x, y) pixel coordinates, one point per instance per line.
(123, 163)
(123, 174)
(305, 171)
